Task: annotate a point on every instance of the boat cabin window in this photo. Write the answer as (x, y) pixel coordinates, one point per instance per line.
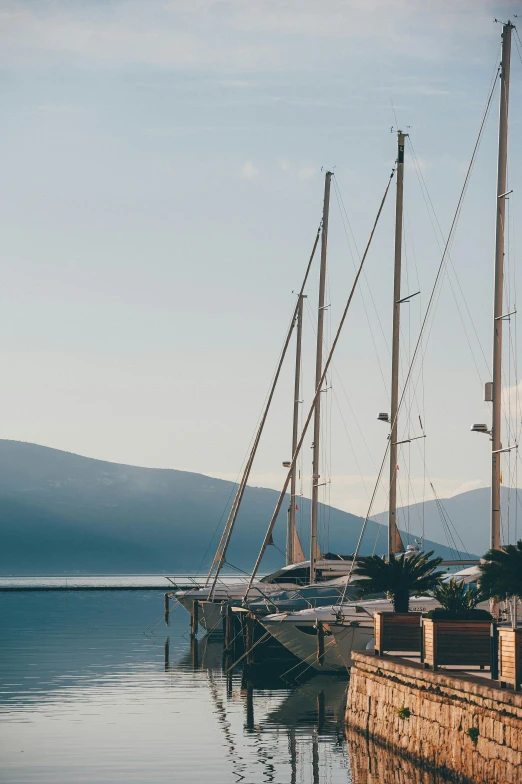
(299, 576)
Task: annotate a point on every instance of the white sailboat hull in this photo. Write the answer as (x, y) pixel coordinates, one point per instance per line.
(297, 631)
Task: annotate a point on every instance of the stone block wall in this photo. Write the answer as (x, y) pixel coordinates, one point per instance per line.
(462, 727)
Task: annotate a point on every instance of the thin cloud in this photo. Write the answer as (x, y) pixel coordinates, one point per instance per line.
(244, 34)
(307, 172)
(465, 487)
(249, 171)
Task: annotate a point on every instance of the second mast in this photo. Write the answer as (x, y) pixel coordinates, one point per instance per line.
(318, 376)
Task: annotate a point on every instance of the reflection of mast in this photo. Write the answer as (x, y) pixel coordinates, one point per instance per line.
(321, 711)
(315, 759)
(239, 768)
(292, 747)
(166, 655)
(250, 706)
(194, 653)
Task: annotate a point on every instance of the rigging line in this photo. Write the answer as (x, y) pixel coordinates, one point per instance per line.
(394, 113)
(321, 381)
(464, 548)
(433, 291)
(423, 389)
(234, 483)
(354, 453)
(518, 44)
(445, 525)
(232, 489)
(343, 389)
(410, 488)
(225, 539)
(449, 538)
(336, 190)
(377, 315)
(433, 217)
(365, 523)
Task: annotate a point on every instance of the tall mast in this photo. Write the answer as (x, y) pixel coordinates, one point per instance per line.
(499, 283)
(219, 558)
(291, 529)
(318, 376)
(394, 540)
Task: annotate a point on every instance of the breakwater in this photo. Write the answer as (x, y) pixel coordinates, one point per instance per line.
(463, 727)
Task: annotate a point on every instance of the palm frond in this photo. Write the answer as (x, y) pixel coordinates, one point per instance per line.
(501, 572)
(402, 577)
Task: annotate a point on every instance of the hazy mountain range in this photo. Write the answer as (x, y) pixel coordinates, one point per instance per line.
(62, 513)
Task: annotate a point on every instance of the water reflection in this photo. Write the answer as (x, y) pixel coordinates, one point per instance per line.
(87, 696)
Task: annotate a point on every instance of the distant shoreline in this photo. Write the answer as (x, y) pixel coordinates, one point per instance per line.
(21, 588)
(124, 582)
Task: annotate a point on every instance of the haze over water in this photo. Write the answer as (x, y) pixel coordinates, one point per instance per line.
(88, 695)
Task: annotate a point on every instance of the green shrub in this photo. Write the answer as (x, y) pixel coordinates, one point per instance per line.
(439, 613)
(404, 712)
(473, 734)
(458, 601)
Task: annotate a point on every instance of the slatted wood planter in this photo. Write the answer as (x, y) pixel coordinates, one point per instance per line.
(457, 643)
(397, 632)
(510, 657)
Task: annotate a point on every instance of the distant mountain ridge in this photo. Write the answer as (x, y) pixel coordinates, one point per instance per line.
(63, 513)
(465, 524)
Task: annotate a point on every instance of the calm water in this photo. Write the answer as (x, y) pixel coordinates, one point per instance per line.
(93, 690)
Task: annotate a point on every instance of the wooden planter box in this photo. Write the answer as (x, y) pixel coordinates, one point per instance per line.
(457, 643)
(510, 657)
(397, 632)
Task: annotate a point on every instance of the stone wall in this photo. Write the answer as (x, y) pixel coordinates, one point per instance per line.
(425, 716)
(374, 763)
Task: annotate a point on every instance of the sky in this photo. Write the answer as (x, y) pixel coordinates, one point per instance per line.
(162, 182)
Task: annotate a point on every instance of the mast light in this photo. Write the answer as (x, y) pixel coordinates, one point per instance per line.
(480, 429)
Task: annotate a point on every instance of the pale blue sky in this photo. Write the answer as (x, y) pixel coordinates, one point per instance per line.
(160, 191)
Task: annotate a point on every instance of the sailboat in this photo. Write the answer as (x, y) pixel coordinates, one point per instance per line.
(213, 598)
(341, 629)
(300, 631)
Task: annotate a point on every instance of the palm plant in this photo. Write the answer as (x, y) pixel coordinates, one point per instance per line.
(402, 577)
(457, 600)
(502, 572)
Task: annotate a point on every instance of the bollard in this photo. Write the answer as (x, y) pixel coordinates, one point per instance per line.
(494, 652)
(166, 605)
(229, 633)
(194, 620)
(250, 706)
(194, 653)
(249, 639)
